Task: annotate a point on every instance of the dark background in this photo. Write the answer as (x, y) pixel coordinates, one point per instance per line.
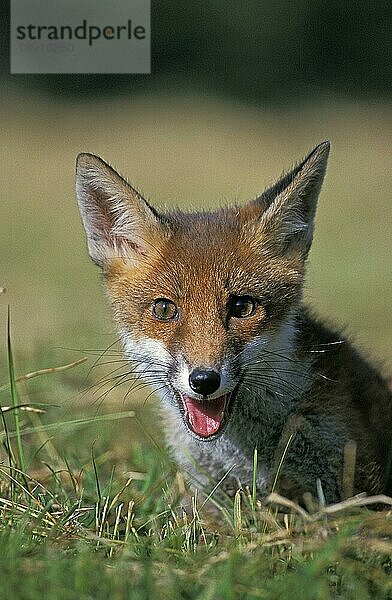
(260, 52)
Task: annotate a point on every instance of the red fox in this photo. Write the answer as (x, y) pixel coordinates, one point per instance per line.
(209, 309)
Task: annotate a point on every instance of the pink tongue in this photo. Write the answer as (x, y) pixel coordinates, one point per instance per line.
(204, 418)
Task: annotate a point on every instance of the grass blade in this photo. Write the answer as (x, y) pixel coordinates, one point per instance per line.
(14, 396)
(254, 478)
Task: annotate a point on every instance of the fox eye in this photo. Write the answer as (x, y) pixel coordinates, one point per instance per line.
(164, 309)
(241, 307)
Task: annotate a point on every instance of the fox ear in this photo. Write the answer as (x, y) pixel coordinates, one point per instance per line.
(289, 206)
(117, 220)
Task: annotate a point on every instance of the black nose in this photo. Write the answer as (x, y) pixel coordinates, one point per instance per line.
(204, 382)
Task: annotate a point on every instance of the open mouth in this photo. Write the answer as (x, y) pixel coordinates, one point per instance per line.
(205, 417)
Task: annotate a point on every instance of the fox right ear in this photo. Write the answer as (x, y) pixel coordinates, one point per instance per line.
(288, 208)
(119, 223)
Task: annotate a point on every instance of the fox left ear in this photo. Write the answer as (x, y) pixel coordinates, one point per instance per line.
(119, 223)
(289, 206)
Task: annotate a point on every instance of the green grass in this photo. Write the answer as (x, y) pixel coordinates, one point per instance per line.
(96, 512)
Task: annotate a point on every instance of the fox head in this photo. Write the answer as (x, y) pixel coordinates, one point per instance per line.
(204, 301)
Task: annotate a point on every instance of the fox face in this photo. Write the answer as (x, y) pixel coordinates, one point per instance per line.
(203, 301)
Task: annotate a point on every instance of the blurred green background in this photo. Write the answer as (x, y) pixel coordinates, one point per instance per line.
(238, 92)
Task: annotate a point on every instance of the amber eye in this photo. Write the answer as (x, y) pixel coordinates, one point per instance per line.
(164, 309)
(241, 307)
